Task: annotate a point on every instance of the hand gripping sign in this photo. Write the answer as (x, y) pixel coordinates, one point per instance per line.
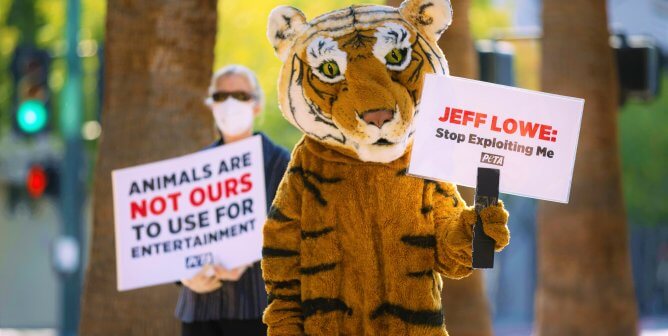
(174, 216)
(469, 129)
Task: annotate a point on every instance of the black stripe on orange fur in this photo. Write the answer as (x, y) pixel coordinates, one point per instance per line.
(316, 234)
(420, 274)
(315, 191)
(291, 298)
(269, 252)
(284, 284)
(439, 190)
(317, 269)
(432, 318)
(324, 305)
(307, 173)
(276, 214)
(426, 209)
(422, 241)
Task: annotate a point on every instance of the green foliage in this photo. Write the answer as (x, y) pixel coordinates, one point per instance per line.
(8, 38)
(643, 131)
(43, 23)
(25, 19)
(484, 18)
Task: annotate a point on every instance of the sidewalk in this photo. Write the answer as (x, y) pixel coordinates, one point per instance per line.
(651, 326)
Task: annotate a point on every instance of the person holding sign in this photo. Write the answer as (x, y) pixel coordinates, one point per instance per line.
(218, 301)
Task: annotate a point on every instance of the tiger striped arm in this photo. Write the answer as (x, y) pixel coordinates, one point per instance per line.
(280, 260)
(453, 223)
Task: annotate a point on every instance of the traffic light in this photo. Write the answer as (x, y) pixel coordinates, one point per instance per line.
(31, 116)
(42, 179)
(30, 69)
(638, 65)
(496, 60)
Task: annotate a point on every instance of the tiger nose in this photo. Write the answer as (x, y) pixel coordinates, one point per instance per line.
(377, 117)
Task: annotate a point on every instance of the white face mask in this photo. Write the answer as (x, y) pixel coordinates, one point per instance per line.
(233, 117)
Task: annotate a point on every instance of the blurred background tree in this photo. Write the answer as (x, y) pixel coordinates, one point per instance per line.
(585, 286)
(152, 94)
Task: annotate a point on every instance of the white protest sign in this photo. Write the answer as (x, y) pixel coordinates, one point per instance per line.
(176, 215)
(530, 136)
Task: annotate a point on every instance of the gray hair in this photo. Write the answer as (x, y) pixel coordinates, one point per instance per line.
(237, 69)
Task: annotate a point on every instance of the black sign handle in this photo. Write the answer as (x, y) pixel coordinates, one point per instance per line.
(486, 194)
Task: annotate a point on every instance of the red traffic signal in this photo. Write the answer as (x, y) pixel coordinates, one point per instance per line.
(42, 179)
(36, 181)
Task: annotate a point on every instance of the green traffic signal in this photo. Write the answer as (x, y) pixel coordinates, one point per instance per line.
(32, 116)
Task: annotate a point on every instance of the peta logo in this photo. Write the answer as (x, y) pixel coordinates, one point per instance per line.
(491, 159)
(199, 260)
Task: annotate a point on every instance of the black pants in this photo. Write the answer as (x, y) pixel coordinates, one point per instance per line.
(224, 328)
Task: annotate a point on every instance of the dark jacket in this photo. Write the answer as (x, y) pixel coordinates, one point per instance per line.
(245, 298)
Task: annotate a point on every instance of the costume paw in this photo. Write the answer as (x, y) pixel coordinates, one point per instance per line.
(495, 224)
(462, 235)
(454, 239)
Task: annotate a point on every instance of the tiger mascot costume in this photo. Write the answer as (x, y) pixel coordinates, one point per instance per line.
(352, 245)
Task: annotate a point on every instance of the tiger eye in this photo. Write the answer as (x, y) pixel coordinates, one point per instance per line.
(329, 69)
(395, 56)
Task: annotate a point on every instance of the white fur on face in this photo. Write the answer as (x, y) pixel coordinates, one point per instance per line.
(382, 154)
(367, 135)
(325, 49)
(392, 36)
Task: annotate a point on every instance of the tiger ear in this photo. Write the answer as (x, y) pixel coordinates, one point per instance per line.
(285, 22)
(433, 17)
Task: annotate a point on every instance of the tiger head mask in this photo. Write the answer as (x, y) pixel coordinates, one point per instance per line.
(352, 78)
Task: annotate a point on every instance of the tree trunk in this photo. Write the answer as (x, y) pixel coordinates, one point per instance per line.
(466, 307)
(159, 56)
(584, 272)
(464, 301)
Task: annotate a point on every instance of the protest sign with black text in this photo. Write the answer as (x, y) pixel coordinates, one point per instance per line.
(530, 136)
(174, 216)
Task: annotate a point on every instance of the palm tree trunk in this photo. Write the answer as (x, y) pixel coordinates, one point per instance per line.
(584, 273)
(159, 56)
(466, 306)
(464, 301)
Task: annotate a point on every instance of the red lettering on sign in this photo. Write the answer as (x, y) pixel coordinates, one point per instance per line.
(462, 117)
(545, 132)
(493, 127)
(510, 125)
(479, 119)
(154, 206)
(197, 196)
(246, 182)
(529, 129)
(231, 187)
(456, 116)
(445, 116)
(138, 209)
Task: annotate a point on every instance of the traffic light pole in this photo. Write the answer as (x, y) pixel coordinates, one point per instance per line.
(72, 187)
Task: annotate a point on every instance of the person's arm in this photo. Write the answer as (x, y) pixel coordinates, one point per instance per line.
(280, 260)
(454, 222)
